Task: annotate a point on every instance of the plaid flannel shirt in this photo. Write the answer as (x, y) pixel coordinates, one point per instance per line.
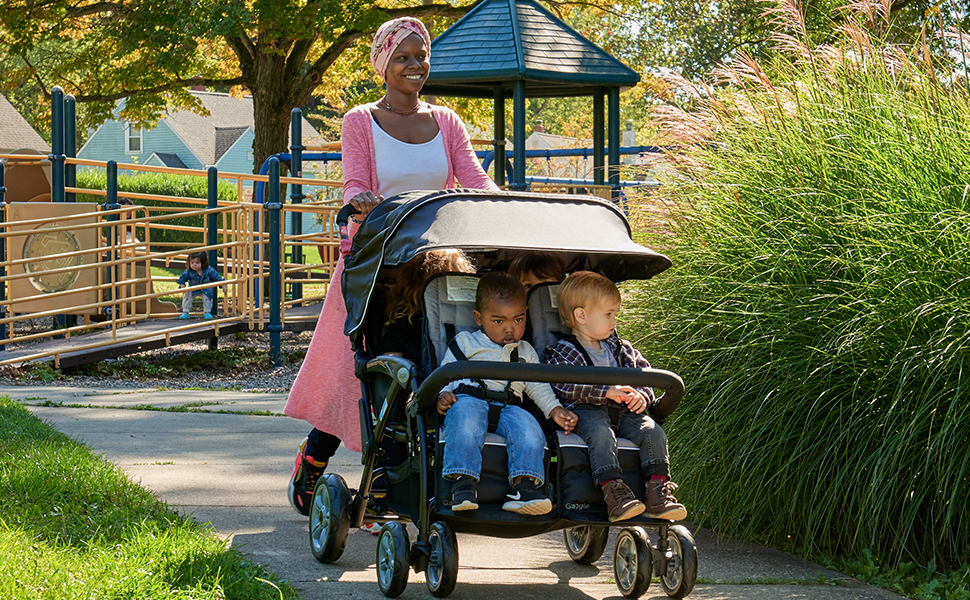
(565, 353)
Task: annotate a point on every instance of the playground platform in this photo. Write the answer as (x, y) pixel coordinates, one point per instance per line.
(146, 335)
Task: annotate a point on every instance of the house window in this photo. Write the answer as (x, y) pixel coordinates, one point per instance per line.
(132, 139)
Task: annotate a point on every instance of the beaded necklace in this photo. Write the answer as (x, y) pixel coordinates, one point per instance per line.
(385, 104)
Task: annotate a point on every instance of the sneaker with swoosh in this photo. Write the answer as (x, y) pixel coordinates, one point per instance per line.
(526, 499)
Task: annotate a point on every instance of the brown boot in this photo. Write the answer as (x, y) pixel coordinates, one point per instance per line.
(621, 504)
(661, 504)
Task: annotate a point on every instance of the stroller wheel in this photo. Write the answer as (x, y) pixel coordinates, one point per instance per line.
(329, 518)
(681, 573)
(632, 562)
(392, 559)
(442, 572)
(585, 544)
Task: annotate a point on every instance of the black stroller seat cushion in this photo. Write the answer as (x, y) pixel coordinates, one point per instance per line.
(579, 497)
(494, 481)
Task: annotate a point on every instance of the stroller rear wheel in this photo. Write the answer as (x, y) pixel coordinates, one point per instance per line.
(585, 544)
(392, 559)
(632, 562)
(329, 518)
(681, 573)
(442, 572)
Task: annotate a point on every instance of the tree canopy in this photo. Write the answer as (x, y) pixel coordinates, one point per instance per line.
(692, 37)
(152, 51)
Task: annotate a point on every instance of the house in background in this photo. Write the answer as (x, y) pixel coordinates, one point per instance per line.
(570, 167)
(28, 179)
(184, 139)
(16, 132)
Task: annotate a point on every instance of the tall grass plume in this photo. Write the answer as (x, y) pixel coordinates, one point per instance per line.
(819, 303)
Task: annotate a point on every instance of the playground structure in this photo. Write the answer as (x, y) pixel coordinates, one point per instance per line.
(97, 271)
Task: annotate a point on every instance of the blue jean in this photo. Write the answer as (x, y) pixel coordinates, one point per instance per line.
(466, 424)
(594, 428)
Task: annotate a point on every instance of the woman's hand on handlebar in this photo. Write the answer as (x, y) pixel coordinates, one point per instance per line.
(365, 202)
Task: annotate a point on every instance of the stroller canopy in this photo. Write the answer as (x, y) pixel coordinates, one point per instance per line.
(588, 228)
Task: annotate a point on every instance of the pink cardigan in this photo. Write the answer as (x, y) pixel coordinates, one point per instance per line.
(325, 391)
(357, 145)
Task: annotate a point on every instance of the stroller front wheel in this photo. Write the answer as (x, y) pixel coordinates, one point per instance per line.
(678, 581)
(329, 518)
(585, 544)
(632, 562)
(392, 559)
(442, 571)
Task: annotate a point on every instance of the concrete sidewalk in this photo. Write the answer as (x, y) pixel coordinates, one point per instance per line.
(231, 469)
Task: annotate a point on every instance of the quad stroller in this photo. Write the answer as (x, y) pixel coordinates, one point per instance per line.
(401, 431)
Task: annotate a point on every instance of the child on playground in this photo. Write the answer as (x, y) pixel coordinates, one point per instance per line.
(588, 303)
(537, 267)
(500, 312)
(198, 272)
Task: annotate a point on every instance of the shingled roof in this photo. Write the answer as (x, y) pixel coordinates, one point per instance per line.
(504, 41)
(16, 132)
(209, 137)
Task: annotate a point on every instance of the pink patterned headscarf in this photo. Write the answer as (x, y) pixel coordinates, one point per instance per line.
(389, 36)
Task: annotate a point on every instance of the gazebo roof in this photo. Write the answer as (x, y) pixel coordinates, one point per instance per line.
(501, 42)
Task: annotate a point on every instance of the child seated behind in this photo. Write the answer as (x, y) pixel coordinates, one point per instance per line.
(588, 303)
(198, 272)
(533, 268)
(500, 313)
(401, 335)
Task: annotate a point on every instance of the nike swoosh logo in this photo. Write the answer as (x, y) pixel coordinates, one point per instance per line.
(517, 496)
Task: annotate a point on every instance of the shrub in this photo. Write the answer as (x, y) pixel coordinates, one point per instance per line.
(818, 303)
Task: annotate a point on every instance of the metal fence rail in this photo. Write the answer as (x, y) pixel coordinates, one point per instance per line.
(120, 277)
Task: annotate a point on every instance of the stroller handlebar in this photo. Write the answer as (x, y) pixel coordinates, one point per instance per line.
(343, 215)
(650, 378)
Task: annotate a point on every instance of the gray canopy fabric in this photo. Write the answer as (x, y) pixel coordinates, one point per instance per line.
(589, 232)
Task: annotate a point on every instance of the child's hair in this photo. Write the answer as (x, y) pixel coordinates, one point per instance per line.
(202, 256)
(498, 285)
(405, 294)
(581, 290)
(545, 266)
(125, 202)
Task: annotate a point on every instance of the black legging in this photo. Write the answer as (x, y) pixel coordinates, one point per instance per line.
(321, 445)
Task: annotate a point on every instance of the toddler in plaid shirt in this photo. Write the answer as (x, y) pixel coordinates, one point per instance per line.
(588, 303)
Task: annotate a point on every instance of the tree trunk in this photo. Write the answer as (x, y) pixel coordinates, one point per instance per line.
(271, 107)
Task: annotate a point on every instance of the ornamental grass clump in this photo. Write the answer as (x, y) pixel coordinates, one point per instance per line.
(818, 308)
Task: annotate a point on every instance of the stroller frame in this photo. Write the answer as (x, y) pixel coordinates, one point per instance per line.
(397, 411)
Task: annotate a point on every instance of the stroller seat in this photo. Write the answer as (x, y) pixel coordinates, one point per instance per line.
(448, 302)
(545, 326)
(579, 497)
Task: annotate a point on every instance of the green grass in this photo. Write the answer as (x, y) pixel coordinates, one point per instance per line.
(72, 526)
(818, 308)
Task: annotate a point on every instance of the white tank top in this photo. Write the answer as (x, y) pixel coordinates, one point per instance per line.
(402, 167)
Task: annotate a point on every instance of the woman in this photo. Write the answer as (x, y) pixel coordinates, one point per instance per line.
(394, 145)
